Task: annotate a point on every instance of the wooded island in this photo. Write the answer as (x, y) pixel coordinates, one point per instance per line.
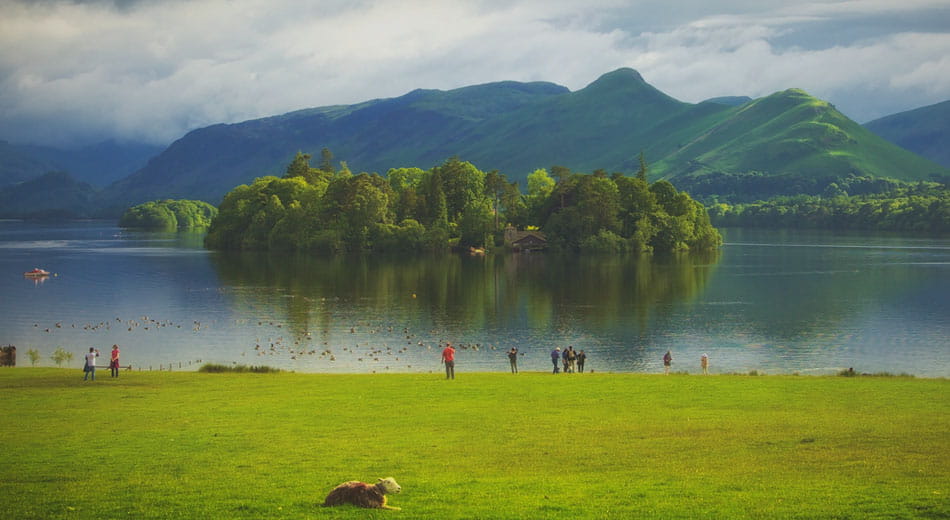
(455, 205)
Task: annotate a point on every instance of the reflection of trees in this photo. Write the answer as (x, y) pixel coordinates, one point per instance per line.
(811, 289)
(603, 291)
(545, 292)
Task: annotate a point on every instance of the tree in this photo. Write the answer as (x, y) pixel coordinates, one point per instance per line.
(433, 211)
(636, 202)
(405, 183)
(642, 170)
(61, 355)
(513, 204)
(474, 224)
(169, 215)
(299, 166)
(326, 161)
(665, 194)
(463, 184)
(540, 184)
(495, 186)
(540, 187)
(561, 173)
(34, 356)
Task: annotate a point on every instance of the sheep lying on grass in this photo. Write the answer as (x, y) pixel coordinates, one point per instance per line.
(363, 494)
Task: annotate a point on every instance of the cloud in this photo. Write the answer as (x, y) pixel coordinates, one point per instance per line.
(737, 56)
(73, 71)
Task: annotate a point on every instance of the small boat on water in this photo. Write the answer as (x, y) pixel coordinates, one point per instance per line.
(36, 273)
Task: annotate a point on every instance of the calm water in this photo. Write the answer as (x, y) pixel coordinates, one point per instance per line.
(772, 301)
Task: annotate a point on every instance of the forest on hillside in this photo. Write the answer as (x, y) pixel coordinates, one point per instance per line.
(455, 205)
(920, 207)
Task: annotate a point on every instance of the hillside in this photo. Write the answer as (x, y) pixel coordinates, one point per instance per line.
(790, 137)
(420, 128)
(52, 195)
(18, 164)
(100, 164)
(792, 132)
(518, 127)
(925, 131)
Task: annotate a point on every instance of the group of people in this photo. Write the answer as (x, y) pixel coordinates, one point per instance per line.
(89, 368)
(567, 360)
(570, 359)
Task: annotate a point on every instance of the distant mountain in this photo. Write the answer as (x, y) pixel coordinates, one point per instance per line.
(18, 164)
(421, 128)
(52, 195)
(519, 127)
(789, 139)
(99, 165)
(925, 131)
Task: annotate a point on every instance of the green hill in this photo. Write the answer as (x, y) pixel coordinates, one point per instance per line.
(793, 133)
(925, 131)
(801, 143)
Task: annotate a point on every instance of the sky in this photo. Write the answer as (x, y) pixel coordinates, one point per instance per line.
(77, 72)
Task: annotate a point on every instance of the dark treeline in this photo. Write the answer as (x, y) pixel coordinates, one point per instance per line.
(331, 210)
(918, 207)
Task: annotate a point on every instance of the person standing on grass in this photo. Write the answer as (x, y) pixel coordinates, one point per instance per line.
(90, 364)
(571, 358)
(581, 358)
(448, 359)
(667, 361)
(555, 358)
(513, 360)
(114, 361)
(704, 363)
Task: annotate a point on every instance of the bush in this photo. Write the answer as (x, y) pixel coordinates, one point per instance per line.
(169, 215)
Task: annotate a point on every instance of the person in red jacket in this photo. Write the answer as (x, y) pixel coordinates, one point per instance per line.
(114, 361)
(448, 359)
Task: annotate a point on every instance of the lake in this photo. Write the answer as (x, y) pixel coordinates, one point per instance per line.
(772, 301)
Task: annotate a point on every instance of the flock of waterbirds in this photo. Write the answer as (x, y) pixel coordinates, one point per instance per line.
(376, 347)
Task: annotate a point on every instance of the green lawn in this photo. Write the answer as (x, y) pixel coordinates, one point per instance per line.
(533, 445)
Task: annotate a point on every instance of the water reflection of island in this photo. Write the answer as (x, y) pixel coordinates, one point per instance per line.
(509, 292)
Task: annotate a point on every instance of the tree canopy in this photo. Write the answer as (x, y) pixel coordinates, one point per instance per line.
(169, 215)
(455, 204)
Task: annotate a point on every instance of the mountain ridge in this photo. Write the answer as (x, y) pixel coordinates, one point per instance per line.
(517, 127)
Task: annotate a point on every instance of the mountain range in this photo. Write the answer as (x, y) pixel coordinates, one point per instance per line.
(517, 127)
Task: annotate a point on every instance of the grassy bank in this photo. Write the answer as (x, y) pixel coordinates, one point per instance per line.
(193, 445)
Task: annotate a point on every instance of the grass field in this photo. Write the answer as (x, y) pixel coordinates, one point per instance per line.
(532, 445)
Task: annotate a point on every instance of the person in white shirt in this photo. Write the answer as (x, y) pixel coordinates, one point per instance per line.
(90, 367)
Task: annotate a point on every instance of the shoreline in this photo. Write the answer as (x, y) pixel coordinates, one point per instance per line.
(264, 369)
